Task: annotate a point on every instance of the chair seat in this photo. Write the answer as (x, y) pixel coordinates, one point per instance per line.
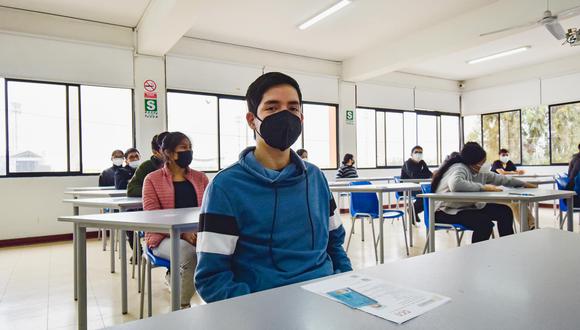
(155, 260)
(387, 214)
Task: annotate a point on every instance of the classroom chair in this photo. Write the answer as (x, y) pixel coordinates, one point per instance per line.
(149, 260)
(365, 205)
(398, 196)
(562, 182)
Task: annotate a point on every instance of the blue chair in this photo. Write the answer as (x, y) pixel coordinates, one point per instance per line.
(149, 260)
(459, 229)
(561, 182)
(399, 197)
(365, 205)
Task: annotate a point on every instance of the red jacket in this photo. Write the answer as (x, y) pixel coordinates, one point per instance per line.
(159, 194)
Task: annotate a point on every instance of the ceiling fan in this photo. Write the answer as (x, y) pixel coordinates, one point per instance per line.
(549, 21)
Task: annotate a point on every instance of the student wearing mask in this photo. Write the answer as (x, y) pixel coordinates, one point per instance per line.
(124, 174)
(347, 169)
(504, 165)
(175, 185)
(574, 176)
(416, 168)
(267, 220)
(135, 186)
(107, 177)
(463, 173)
(303, 154)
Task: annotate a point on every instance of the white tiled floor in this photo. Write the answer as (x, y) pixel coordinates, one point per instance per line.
(36, 290)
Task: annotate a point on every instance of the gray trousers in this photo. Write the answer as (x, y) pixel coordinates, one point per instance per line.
(187, 263)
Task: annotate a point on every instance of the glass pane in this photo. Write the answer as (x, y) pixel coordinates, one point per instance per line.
(395, 152)
(381, 161)
(2, 130)
(565, 130)
(196, 116)
(365, 138)
(427, 136)
(320, 134)
(73, 127)
(491, 136)
(535, 136)
(235, 134)
(510, 134)
(106, 125)
(472, 129)
(449, 135)
(32, 108)
(410, 132)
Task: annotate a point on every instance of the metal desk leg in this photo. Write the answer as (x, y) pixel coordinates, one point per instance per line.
(524, 216)
(411, 218)
(175, 280)
(75, 252)
(112, 239)
(135, 249)
(381, 234)
(537, 215)
(431, 233)
(123, 253)
(570, 213)
(81, 262)
(104, 235)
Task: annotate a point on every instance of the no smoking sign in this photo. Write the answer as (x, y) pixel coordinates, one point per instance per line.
(150, 85)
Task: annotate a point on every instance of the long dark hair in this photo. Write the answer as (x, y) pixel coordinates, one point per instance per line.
(347, 158)
(472, 153)
(171, 141)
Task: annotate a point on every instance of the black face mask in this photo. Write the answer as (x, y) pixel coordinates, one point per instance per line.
(184, 158)
(280, 130)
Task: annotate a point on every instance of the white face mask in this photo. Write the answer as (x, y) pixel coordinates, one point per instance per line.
(117, 161)
(418, 157)
(504, 159)
(135, 163)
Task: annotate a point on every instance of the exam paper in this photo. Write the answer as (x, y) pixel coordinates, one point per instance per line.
(377, 297)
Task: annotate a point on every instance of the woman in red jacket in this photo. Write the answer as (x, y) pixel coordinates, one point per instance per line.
(175, 186)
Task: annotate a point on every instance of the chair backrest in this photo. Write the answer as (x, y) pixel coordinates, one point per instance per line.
(562, 182)
(397, 194)
(155, 260)
(426, 189)
(363, 202)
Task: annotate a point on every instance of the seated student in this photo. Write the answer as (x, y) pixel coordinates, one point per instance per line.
(175, 185)
(267, 220)
(135, 185)
(462, 173)
(107, 177)
(504, 165)
(303, 154)
(416, 168)
(347, 169)
(124, 174)
(574, 177)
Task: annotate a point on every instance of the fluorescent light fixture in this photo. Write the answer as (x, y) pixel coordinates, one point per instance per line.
(498, 55)
(336, 7)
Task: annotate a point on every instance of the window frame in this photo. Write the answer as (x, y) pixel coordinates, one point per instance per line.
(550, 131)
(67, 123)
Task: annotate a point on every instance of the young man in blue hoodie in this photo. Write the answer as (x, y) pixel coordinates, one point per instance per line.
(268, 220)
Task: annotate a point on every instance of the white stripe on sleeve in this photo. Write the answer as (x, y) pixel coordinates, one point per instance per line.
(334, 221)
(210, 242)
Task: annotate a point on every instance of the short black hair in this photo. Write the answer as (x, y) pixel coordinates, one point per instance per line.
(157, 140)
(118, 151)
(503, 151)
(415, 148)
(346, 158)
(130, 151)
(264, 82)
(301, 152)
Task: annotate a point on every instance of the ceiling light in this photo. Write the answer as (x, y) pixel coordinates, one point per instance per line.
(498, 55)
(336, 7)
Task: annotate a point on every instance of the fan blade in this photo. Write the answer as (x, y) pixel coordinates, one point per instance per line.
(556, 30)
(569, 12)
(516, 27)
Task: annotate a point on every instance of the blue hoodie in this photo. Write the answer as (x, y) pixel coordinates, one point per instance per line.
(261, 229)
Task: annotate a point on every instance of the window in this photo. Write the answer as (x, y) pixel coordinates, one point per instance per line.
(235, 134)
(366, 138)
(381, 145)
(472, 129)
(106, 124)
(74, 128)
(535, 136)
(565, 131)
(319, 134)
(509, 136)
(2, 129)
(196, 115)
(491, 135)
(395, 142)
(427, 137)
(449, 132)
(410, 133)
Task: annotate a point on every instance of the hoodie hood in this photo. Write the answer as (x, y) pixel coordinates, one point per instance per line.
(292, 174)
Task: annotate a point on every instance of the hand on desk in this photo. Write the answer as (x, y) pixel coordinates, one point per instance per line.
(520, 172)
(530, 185)
(490, 187)
(190, 238)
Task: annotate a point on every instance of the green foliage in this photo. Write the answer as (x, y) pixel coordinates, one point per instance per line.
(510, 134)
(491, 135)
(535, 136)
(565, 131)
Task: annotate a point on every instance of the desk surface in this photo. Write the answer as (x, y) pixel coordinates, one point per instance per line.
(107, 202)
(162, 220)
(98, 193)
(493, 285)
(537, 195)
(368, 178)
(388, 187)
(72, 189)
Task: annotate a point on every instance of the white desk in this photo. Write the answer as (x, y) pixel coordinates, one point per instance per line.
(417, 180)
(97, 193)
(406, 188)
(172, 221)
(523, 176)
(489, 284)
(539, 195)
(69, 189)
(369, 178)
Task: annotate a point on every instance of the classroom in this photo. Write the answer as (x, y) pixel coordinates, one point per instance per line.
(306, 164)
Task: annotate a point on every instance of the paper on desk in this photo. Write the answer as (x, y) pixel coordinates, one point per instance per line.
(377, 297)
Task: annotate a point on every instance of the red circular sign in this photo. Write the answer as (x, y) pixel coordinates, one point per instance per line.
(150, 85)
